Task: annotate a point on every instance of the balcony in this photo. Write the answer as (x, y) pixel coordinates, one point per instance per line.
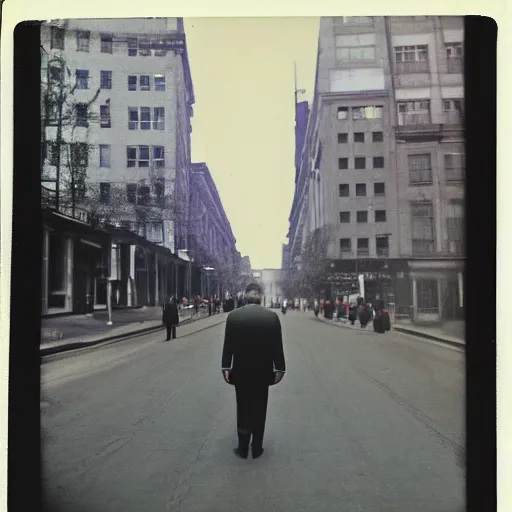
(363, 253)
(454, 247)
(423, 247)
(383, 252)
(404, 68)
(452, 117)
(417, 127)
(455, 65)
(420, 177)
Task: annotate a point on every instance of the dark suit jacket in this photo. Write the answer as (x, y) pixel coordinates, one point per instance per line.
(253, 346)
(170, 314)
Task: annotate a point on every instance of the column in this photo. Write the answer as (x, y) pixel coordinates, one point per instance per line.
(45, 271)
(414, 298)
(132, 293)
(69, 274)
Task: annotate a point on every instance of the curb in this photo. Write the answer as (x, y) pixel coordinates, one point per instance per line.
(429, 336)
(43, 352)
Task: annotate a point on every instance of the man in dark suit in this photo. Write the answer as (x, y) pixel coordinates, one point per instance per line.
(252, 360)
(170, 317)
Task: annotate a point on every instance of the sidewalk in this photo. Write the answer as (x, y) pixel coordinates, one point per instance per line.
(64, 333)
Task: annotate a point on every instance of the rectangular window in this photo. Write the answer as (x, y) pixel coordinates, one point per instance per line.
(132, 82)
(359, 137)
(344, 190)
(131, 156)
(413, 112)
(144, 195)
(79, 154)
(131, 193)
(379, 189)
(454, 57)
(342, 112)
(360, 189)
(363, 247)
(105, 193)
(378, 162)
(144, 46)
(160, 192)
(377, 137)
(106, 43)
(360, 162)
(345, 245)
(133, 118)
(411, 59)
(81, 112)
(133, 46)
(454, 167)
(144, 83)
(344, 217)
(362, 217)
(382, 245)
(105, 155)
(158, 157)
(355, 53)
(159, 82)
(427, 293)
(342, 138)
(82, 40)
(369, 112)
(452, 111)
(158, 118)
(454, 226)
(145, 118)
(143, 156)
(420, 169)
(105, 121)
(342, 163)
(106, 79)
(52, 152)
(82, 78)
(380, 215)
(57, 38)
(422, 228)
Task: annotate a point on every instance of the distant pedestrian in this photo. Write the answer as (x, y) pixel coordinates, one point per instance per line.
(381, 322)
(170, 317)
(365, 315)
(352, 314)
(252, 360)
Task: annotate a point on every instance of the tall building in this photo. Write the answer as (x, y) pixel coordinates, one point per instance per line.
(384, 160)
(117, 103)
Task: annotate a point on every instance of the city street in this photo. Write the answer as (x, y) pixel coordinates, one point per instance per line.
(361, 422)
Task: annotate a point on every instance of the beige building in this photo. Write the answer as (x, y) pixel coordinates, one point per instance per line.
(383, 161)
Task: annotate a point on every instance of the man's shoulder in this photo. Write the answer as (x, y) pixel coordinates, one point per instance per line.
(252, 310)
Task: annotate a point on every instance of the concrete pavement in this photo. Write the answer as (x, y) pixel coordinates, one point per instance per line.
(361, 422)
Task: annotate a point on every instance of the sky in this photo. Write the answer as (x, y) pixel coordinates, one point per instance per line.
(243, 125)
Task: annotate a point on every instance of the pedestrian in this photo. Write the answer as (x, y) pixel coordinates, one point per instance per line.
(252, 360)
(364, 315)
(170, 317)
(284, 306)
(352, 315)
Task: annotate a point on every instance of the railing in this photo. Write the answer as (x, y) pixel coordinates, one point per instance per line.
(452, 117)
(412, 67)
(455, 65)
(413, 118)
(383, 252)
(454, 247)
(454, 174)
(420, 176)
(423, 247)
(363, 253)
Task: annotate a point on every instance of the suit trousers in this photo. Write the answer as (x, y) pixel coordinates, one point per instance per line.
(171, 331)
(251, 414)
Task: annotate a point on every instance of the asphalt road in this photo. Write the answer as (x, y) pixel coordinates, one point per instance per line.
(361, 422)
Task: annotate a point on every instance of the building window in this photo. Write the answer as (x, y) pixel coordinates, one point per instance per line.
(422, 226)
(363, 247)
(411, 59)
(81, 112)
(369, 112)
(106, 43)
(105, 155)
(452, 111)
(137, 155)
(382, 245)
(378, 162)
(57, 38)
(132, 82)
(106, 79)
(413, 112)
(360, 189)
(145, 82)
(454, 213)
(145, 46)
(359, 137)
(105, 121)
(160, 192)
(52, 152)
(379, 189)
(344, 217)
(133, 118)
(82, 79)
(362, 217)
(420, 169)
(342, 112)
(105, 193)
(159, 82)
(131, 193)
(342, 138)
(79, 154)
(344, 190)
(144, 195)
(345, 246)
(158, 118)
(82, 40)
(454, 166)
(377, 137)
(158, 157)
(143, 156)
(360, 162)
(342, 163)
(355, 53)
(380, 215)
(454, 57)
(427, 295)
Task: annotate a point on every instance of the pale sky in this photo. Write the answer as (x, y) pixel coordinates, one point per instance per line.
(243, 125)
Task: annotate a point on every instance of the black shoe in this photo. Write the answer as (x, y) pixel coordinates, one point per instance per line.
(256, 454)
(168, 339)
(240, 454)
